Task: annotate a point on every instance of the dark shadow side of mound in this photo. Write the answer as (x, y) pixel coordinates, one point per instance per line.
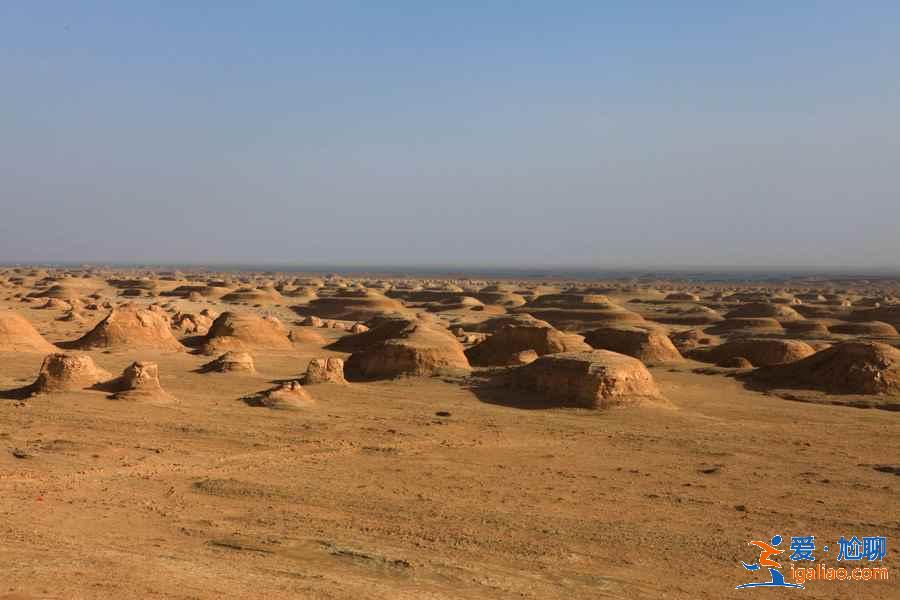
(799, 392)
(21, 393)
(493, 386)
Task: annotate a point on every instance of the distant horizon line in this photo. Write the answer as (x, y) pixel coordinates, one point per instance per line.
(444, 268)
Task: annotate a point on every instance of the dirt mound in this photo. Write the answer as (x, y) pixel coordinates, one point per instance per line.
(494, 324)
(140, 382)
(287, 396)
(242, 331)
(400, 346)
(191, 323)
(761, 352)
(503, 347)
(598, 379)
(691, 314)
(746, 326)
(380, 330)
(830, 312)
(846, 368)
(325, 370)
(197, 291)
(456, 303)
(68, 372)
(887, 314)
(576, 311)
(307, 336)
(129, 327)
(351, 305)
(300, 293)
(572, 301)
(690, 339)
(779, 312)
(811, 297)
(230, 362)
(56, 304)
(682, 297)
(18, 335)
(735, 362)
(499, 298)
(68, 288)
(260, 295)
(73, 316)
(869, 328)
(650, 346)
(807, 328)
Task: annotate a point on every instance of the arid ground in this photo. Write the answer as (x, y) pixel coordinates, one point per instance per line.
(443, 482)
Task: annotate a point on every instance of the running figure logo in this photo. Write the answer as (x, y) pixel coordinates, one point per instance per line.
(765, 554)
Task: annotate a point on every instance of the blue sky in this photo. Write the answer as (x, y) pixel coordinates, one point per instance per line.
(467, 133)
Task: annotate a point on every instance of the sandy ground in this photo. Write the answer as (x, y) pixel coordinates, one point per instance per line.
(423, 488)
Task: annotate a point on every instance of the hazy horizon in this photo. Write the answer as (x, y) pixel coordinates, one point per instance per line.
(506, 135)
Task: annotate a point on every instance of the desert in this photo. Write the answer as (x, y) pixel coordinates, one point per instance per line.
(396, 300)
(266, 451)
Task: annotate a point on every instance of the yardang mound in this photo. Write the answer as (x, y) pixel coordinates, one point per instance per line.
(230, 362)
(140, 382)
(68, 372)
(240, 331)
(129, 327)
(761, 353)
(845, 368)
(521, 334)
(288, 396)
(400, 346)
(598, 379)
(325, 370)
(650, 346)
(18, 335)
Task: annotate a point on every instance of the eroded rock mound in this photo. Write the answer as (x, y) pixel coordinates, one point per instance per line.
(140, 382)
(17, 334)
(68, 372)
(73, 316)
(599, 379)
(260, 295)
(846, 368)
(690, 339)
(306, 335)
(868, 328)
(504, 346)
(399, 346)
(779, 312)
(129, 327)
(231, 362)
(325, 370)
(574, 311)
(760, 352)
(351, 305)
(191, 323)
(747, 326)
(241, 331)
(56, 304)
(687, 314)
(287, 396)
(735, 362)
(808, 328)
(650, 346)
(682, 297)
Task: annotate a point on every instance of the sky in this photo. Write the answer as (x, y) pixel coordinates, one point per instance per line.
(490, 133)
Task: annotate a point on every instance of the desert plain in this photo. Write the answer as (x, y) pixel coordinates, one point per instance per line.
(200, 434)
